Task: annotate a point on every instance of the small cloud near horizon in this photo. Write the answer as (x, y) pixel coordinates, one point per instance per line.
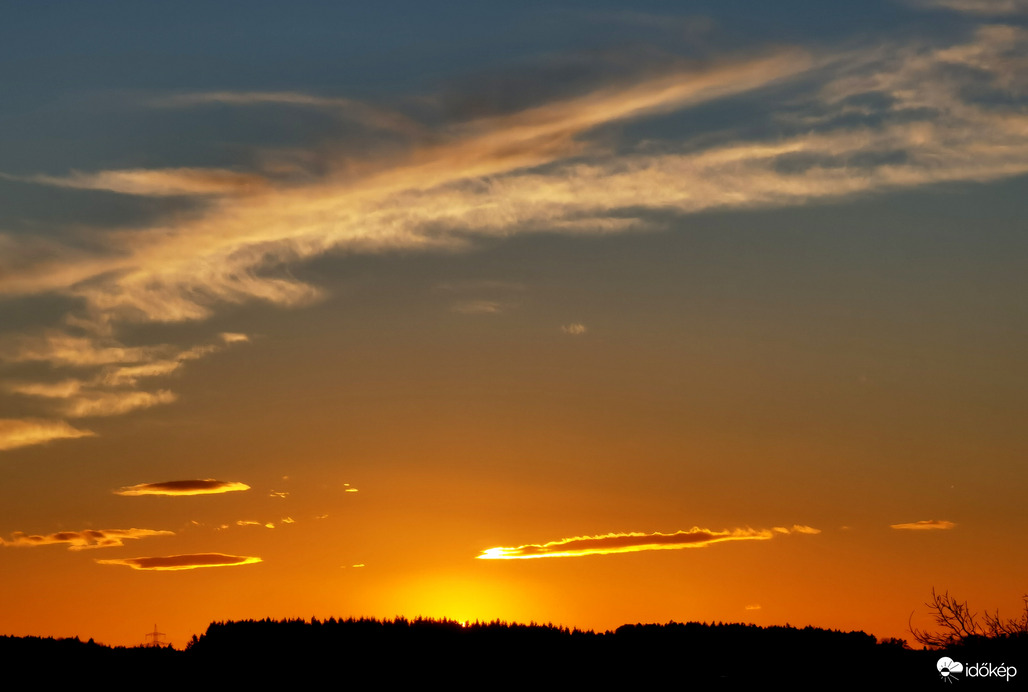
(574, 329)
(926, 525)
(207, 486)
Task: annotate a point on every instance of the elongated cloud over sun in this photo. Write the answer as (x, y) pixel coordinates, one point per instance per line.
(83, 540)
(207, 486)
(633, 542)
(171, 563)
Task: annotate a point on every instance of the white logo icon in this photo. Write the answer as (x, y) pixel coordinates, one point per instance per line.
(947, 667)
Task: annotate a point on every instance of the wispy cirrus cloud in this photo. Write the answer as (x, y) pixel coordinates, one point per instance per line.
(478, 307)
(24, 432)
(82, 540)
(631, 543)
(884, 118)
(925, 525)
(114, 403)
(977, 7)
(366, 114)
(172, 563)
(157, 182)
(207, 486)
(113, 388)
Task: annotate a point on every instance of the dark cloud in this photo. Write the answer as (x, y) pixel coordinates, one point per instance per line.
(207, 486)
(180, 562)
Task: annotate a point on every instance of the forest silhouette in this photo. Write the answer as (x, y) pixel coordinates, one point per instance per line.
(365, 651)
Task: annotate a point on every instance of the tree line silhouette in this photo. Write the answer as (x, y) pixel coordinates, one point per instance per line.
(365, 651)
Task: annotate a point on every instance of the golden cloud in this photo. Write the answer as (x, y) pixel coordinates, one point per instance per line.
(22, 432)
(181, 562)
(925, 525)
(113, 389)
(83, 540)
(628, 543)
(524, 172)
(159, 183)
(207, 486)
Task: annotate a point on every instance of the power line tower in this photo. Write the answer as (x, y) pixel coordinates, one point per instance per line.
(153, 639)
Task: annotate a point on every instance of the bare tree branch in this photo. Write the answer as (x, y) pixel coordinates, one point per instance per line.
(956, 622)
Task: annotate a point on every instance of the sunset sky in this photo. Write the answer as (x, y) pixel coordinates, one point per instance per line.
(550, 311)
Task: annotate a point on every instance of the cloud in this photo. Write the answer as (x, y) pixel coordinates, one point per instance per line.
(83, 540)
(251, 522)
(925, 525)
(59, 348)
(114, 403)
(181, 562)
(234, 338)
(626, 543)
(478, 307)
(753, 606)
(114, 388)
(207, 486)
(369, 115)
(797, 528)
(174, 270)
(574, 329)
(887, 117)
(23, 432)
(979, 7)
(159, 182)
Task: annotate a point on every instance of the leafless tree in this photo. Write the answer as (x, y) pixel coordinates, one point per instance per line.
(996, 627)
(956, 622)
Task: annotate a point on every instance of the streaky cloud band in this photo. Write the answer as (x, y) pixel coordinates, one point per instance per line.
(634, 542)
(82, 540)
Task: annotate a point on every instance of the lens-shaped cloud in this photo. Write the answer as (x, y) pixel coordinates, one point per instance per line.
(925, 525)
(172, 563)
(631, 543)
(207, 486)
(82, 540)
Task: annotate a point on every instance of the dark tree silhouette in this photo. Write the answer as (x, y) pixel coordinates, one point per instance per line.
(957, 624)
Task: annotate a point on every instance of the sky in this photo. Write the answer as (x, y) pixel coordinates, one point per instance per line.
(556, 312)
